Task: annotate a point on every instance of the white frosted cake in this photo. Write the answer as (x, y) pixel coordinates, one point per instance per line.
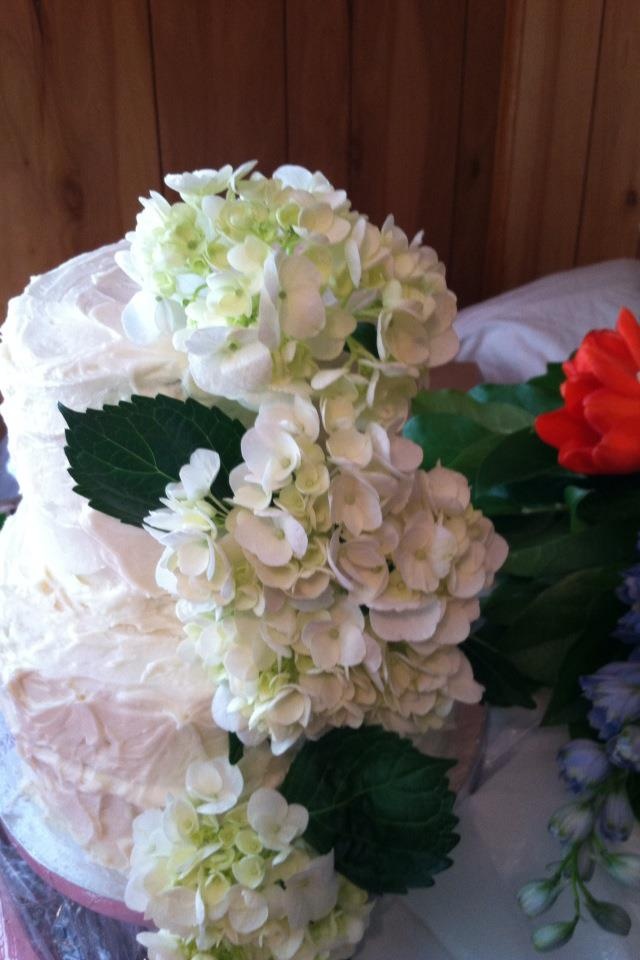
(105, 713)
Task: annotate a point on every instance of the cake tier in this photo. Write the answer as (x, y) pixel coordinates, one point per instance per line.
(105, 713)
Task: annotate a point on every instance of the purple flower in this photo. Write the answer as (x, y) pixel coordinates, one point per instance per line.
(628, 629)
(572, 823)
(624, 750)
(583, 764)
(629, 591)
(616, 817)
(615, 693)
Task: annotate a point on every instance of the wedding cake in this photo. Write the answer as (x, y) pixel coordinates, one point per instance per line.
(104, 711)
(300, 575)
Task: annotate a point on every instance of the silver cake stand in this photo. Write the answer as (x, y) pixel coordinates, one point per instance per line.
(63, 864)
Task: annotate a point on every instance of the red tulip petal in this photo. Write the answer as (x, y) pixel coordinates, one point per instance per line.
(629, 330)
(610, 361)
(618, 452)
(559, 429)
(604, 410)
(578, 459)
(575, 392)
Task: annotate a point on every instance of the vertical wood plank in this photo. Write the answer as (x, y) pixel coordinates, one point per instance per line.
(542, 138)
(220, 82)
(406, 84)
(77, 129)
(318, 43)
(611, 212)
(483, 58)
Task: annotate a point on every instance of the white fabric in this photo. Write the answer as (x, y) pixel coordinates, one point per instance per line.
(512, 337)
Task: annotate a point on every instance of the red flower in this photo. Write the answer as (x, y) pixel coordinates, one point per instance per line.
(598, 429)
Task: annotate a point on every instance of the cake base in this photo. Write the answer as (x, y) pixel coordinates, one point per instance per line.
(63, 864)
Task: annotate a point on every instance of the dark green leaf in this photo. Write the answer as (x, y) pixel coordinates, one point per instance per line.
(504, 604)
(504, 685)
(122, 457)
(609, 916)
(561, 610)
(496, 417)
(367, 335)
(3, 517)
(520, 456)
(537, 396)
(633, 792)
(611, 499)
(236, 748)
(592, 648)
(456, 442)
(558, 554)
(380, 804)
(573, 497)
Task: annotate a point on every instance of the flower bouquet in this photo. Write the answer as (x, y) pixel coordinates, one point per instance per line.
(555, 463)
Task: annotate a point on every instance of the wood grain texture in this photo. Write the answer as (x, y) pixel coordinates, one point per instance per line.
(220, 82)
(318, 86)
(611, 213)
(77, 129)
(406, 84)
(541, 149)
(483, 55)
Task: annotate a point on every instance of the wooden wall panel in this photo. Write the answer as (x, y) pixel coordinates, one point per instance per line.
(611, 217)
(220, 82)
(484, 39)
(406, 82)
(77, 129)
(318, 86)
(506, 128)
(549, 79)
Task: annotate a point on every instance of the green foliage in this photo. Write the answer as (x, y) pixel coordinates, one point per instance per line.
(504, 685)
(366, 335)
(122, 457)
(236, 748)
(380, 804)
(550, 616)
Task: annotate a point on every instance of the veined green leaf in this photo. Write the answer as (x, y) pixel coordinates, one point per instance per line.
(380, 804)
(496, 417)
(122, 457)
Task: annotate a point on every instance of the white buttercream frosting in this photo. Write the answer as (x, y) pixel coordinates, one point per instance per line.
(103, 709)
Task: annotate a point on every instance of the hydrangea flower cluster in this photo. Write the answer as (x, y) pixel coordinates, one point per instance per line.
(276, 285)
(223, 873)
(336, 584)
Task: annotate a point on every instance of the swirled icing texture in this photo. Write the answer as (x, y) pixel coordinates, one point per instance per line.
(105, 713)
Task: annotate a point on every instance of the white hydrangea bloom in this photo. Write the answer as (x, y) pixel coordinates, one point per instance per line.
(240, 882)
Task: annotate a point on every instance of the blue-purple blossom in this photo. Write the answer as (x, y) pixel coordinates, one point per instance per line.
(628, 628)
(616, 817)
(583, 764)
(624, 750)
(615, 693)
(572, 823)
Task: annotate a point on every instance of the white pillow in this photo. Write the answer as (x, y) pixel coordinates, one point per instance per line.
(513, 336)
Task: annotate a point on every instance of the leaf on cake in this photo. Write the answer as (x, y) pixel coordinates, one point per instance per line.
(381, 805)
(122, 457)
